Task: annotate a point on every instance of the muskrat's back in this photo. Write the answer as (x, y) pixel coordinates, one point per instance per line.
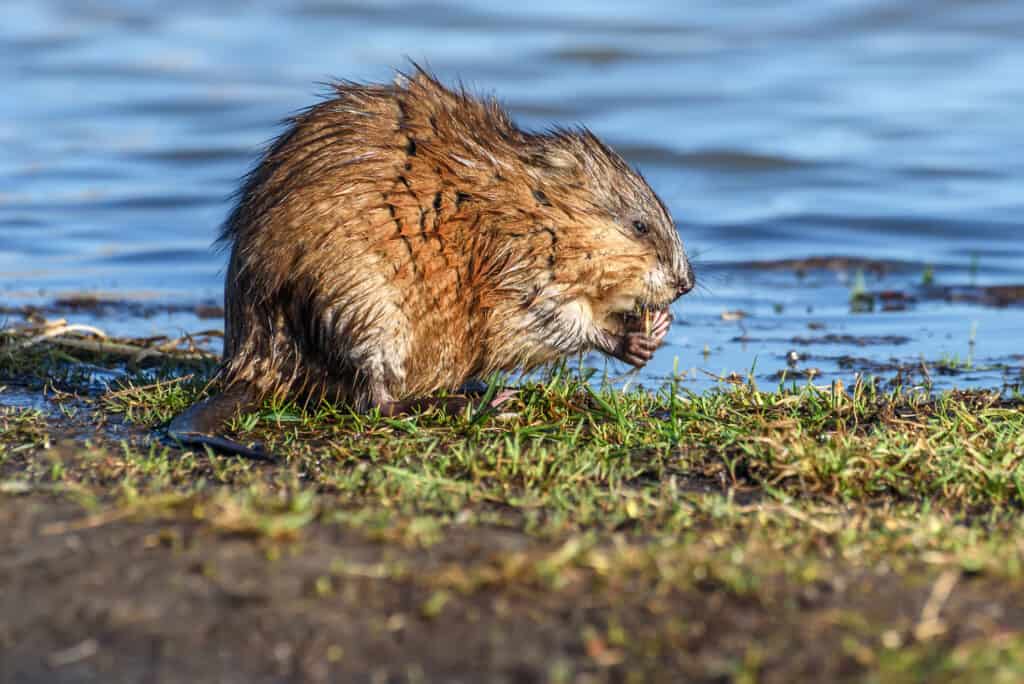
(401, 239)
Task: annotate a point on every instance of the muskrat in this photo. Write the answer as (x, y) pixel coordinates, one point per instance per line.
(398, 240)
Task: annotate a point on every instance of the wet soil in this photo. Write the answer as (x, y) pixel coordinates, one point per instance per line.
(91, 600)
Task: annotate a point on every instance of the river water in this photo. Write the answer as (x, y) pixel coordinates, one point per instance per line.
(889, 134)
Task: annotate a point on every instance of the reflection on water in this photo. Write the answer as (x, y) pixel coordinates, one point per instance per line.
(879, 130)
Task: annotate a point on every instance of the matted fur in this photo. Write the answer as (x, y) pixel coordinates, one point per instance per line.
(401, 239)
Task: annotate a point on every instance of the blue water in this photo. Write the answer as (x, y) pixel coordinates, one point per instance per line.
(876, 129)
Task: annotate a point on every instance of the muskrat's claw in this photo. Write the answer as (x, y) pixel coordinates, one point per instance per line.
(660, 324)
(653, 324)
(503, 396)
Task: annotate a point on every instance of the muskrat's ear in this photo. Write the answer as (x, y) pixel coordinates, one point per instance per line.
(559, 159)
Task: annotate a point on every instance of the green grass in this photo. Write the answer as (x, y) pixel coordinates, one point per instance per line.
(564, 446)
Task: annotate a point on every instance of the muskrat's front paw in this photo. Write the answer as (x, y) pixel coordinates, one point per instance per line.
(637, 349)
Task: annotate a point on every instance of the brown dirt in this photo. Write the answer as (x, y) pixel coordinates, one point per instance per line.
(94, 600)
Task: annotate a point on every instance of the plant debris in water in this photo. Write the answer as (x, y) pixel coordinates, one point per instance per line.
(583, 533)
(99, 306)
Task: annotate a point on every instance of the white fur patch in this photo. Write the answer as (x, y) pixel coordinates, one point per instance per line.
(578, 318)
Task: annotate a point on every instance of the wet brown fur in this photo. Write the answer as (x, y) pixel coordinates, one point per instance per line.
(401, 239)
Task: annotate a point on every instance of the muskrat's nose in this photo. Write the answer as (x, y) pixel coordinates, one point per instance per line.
(685, 283)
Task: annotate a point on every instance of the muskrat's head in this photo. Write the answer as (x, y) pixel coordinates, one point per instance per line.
(616, 238)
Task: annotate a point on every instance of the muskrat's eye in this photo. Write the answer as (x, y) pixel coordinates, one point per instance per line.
(640, 227)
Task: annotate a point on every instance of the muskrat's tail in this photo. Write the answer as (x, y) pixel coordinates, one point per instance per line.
(196, 425)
